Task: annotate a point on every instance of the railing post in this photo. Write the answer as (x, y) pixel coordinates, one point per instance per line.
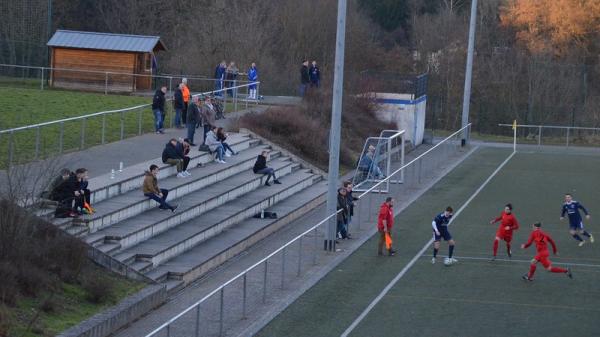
(198, 320)
(140, 122)
(122, 124)
(244, 296)
(539, 135)
(299, 256)
(171, 85)
(568, 131)
(283, 268)
(169, 330)
(103, 129)
(11, 147)
(315, 246)
(265, 283)
(37, 143)
(42, 78)
(257, 93)
(106, 83)
(60, 137)
(235, 101)
(82, 144)
(222, 300)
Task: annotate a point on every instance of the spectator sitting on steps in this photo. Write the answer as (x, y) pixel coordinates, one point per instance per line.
(214, 145)
(222, 136)
(183, 149)
(260, 167)
(51, 192)
(171, 156)
(152, 191)
(82, 193)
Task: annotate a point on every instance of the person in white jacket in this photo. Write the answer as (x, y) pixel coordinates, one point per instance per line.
(214, 145)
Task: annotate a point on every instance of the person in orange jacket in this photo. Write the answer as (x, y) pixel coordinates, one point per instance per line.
(185, 91)
(385, 222)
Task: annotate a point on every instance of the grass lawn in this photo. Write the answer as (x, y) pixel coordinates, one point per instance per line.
(68, 306)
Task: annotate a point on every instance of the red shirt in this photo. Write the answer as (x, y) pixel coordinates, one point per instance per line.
(540, 238)
(385, 213)
(507, 220)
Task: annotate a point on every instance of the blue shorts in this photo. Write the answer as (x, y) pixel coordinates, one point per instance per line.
(575, 226)
(444, 233)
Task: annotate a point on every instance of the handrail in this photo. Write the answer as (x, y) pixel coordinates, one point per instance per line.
(265, 259)
(412, 161)
(550, 126)
(192, 77)
(95, 114)
(235, 278)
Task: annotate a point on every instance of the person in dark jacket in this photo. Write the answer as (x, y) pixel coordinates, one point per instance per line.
(151, 190)
(222, 136)
(193, 117)
(315, 75)
(63, 194)
(260, 167)
(208, 116)
(183, 149)
(220, 77)
(50, 192)
(82, 193)
(351, 199)
(158, 108)
(179, 106)
(304, 77)
(342, 215)
(231, 74)
(171, 156)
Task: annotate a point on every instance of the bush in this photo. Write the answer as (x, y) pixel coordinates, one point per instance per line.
(98, 289)
(9, 288)
(304, 129)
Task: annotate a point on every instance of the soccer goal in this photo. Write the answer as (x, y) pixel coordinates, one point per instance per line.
(375, 160)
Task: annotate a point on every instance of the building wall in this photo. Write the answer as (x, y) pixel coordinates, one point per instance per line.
(406, 111)
(95, 60)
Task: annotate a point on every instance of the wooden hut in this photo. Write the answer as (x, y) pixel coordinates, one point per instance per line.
(102, 61)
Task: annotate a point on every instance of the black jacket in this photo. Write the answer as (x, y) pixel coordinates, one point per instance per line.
(304, 75)
(261, 163)
(178, 99)
(342, 204)
(350, 199)
(170, 152)
(193, 114)
(158, 102)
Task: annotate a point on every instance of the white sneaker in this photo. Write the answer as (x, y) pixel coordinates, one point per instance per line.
(181, 175)
(227, 154)
(222, 162)
(453, 260)
(581, 243)
(217, 160)
(433, 260)
(187, 173)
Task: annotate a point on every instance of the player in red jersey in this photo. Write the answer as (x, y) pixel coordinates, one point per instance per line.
(540, 238)
(508, 224)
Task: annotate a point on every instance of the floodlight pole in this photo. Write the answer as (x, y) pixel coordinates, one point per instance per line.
(336, 123)
(468, 73)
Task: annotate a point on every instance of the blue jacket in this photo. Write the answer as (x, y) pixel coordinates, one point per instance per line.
(315, 75)
(220, 72)
(253, 74)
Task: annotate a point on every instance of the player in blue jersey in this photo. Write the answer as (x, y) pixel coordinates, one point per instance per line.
(440, 231)
(572, 207)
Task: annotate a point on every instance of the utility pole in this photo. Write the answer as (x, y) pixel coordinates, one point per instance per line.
(469, 72)
(336, 124)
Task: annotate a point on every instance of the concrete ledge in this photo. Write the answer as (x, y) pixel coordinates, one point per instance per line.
(114, 318)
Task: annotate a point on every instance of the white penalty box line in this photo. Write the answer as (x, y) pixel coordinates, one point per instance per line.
(411, 263)
(562, 263)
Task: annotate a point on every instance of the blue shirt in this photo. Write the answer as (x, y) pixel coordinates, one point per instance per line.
(572, 209)
(441, 221)
(252, 74)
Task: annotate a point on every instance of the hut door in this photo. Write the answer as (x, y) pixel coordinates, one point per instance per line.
(144, 70)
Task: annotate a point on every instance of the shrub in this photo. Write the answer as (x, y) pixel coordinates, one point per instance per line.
(98, 289)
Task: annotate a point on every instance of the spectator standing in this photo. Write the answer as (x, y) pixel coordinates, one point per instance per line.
(179, 106)
(214, 145)
(385, 222)
(231, 74)
(304, 77)
(185, 92)
(193, 117)
(315, 75)
(220, 76)
(171, 156)
(351, 199)
(158, 108)
(260, 167)
(342, 215)
(222, 136)
(151, 190)
(208, 115)
(252, 77)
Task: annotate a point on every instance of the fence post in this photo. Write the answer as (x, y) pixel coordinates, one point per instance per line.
(244, 296)
(198, 320)
(171, 85)
(568, 131)
(257, 93)
(82, 144)
(539, 135)
(42, 78)
(106, 83)
(140, 122)
(265, 283)
(37, 142)
(11, 147)
(60, 137)
(283, 268)
(221, 312)
(122, 124)
(103, 129)
(299, 256)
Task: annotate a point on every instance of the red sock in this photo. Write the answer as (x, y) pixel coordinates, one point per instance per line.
(508, 247)
(531, 270)
(557, 270)
(495, 247)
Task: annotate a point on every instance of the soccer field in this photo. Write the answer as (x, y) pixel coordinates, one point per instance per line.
(474, 297)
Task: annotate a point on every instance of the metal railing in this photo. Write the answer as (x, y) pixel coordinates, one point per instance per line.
(37, 141)
(108, 81)
(238, 298)
(554, 135)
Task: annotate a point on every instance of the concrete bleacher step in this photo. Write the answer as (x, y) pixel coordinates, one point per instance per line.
(155, 221)
(177, 240)
(203, 258)
(132, 203)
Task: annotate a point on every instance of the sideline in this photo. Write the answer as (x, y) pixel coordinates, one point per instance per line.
(420, 253)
